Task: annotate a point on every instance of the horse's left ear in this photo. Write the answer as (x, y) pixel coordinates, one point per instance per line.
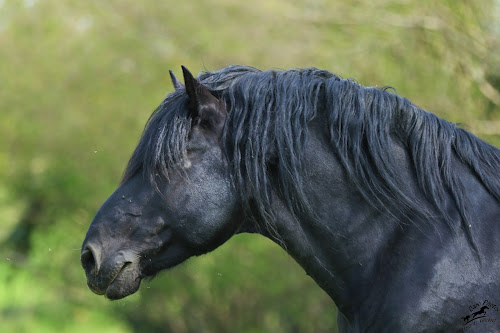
(202, 103)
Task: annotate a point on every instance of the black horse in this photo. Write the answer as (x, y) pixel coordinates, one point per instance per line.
(480, 312)
(393, 211)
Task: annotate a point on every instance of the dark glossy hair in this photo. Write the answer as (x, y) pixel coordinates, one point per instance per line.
(266, 128)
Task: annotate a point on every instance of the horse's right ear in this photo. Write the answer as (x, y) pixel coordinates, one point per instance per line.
(203, 105)
(177, 84)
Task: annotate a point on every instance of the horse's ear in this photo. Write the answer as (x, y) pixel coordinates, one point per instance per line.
(203, 105)
(177, 84)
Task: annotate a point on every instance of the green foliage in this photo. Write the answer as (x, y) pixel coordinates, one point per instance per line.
(78, 81)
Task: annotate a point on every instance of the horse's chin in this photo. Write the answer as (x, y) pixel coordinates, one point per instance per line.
(126, 283)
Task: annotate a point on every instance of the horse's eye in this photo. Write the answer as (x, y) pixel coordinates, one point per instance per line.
(186, 163)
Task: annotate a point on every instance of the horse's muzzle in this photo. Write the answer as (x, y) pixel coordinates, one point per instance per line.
(115, 277)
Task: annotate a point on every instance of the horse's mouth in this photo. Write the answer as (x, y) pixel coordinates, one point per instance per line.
(126, 282)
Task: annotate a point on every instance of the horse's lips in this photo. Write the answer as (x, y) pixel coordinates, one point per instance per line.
(94, 289)
(126, 282)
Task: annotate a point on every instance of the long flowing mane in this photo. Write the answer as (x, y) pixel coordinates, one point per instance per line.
(266, 129)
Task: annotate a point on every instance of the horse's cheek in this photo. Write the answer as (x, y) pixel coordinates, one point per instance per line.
(211, 212)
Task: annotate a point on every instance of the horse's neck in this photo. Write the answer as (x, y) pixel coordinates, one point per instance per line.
(360, 256)
(338, 246)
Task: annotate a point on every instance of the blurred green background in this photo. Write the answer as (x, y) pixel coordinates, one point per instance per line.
(78, 81)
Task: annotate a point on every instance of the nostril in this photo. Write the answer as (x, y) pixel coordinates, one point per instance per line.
(88, 260)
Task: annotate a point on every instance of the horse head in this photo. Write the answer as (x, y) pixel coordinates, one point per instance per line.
(148, 225)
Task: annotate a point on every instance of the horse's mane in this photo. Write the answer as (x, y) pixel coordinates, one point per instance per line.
(266, 128)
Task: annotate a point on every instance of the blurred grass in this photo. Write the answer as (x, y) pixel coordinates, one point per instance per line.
(78, 80)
